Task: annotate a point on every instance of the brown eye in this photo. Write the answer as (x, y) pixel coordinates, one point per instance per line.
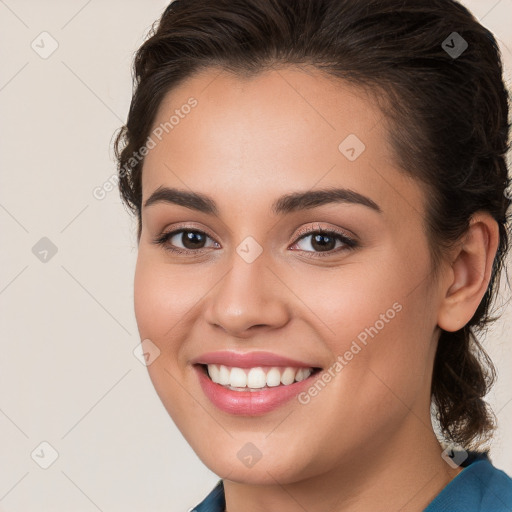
(323, 243)
(191, 240)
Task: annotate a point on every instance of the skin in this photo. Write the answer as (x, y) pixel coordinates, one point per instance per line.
(365, 442)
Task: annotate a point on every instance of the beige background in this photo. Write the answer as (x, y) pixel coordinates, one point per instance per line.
(68, 375)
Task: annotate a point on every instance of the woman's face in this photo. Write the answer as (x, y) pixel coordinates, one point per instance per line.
(260, 278)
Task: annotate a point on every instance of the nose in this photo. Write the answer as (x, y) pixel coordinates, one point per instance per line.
(249, 298)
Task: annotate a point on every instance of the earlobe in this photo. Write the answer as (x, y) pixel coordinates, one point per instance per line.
(469, 274)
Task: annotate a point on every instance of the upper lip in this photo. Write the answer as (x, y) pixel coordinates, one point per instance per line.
(249, 359)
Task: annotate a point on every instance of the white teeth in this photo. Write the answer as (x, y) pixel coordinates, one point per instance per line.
(223, 375)
(238, 378)
(214, 372)
(288, 376)
(256, 378)
(302, 374)
(273, 377)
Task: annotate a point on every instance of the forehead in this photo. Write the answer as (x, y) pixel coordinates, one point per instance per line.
(281, 130)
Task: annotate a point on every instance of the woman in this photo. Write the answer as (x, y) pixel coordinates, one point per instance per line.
(320, 194)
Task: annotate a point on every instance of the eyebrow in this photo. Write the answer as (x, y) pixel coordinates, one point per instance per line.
(287, 203)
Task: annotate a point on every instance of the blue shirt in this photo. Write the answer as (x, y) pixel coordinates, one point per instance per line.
(479, 487)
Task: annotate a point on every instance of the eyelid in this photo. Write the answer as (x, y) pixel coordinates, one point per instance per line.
(163, 238)
(308, 230)
(187, 226)
(349, 240)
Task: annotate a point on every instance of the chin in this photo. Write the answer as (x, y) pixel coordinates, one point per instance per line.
(235, 463)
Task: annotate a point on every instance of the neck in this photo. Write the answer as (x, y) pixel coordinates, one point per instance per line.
(405, 473)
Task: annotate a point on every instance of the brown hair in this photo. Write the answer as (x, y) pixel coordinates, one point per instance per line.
(447, 115)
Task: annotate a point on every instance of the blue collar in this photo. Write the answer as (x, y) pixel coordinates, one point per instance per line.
(214, 502)
(479, 487)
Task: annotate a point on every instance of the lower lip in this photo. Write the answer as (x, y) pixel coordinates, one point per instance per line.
(249, 403)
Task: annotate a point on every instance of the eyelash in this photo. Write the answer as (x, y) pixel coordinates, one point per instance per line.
(162, 240)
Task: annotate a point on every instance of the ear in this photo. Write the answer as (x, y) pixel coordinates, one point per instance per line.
(469, 273)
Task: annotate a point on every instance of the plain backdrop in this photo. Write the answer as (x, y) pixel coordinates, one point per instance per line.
(68, 376)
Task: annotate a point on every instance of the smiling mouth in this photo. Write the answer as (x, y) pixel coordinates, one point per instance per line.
(257, 378)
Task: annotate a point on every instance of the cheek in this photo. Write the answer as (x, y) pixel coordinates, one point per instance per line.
(348, 301)
(163, 297)
(161, 302)
(378, 324)
(148, 298)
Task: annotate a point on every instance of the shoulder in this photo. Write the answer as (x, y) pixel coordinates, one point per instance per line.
(214, 502)
(479, 487)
